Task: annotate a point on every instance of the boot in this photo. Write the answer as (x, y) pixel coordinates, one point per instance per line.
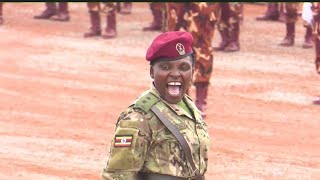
(111, 30)
(49, 12)
(224, 40)
(126, 9)
(234, 44)
(289, 39)
(316, 102)
(156, 24)
(95, 29)
(201, 97)
(308, 38)
(272, 13)
(63, 13)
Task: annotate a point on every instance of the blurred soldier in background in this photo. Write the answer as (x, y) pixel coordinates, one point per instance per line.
(125, 9)
(56, 11)
(198, 18)
(272, 13)
(109, 10)
(1, 16)
(229, 26)
(157, 13)
(291, 17)
(311, 18)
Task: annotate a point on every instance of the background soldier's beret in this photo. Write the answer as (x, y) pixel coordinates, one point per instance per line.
(169, 46)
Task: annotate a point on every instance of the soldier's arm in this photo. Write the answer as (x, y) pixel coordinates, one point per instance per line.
(129, 147)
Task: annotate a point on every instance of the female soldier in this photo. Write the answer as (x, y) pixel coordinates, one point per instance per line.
(162, 134)
(198, 18)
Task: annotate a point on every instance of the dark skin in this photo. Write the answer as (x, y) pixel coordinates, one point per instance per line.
(179, 72)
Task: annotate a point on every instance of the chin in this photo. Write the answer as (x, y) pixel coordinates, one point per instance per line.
(174, 100)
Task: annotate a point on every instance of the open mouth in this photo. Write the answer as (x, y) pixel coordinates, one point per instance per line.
(174, 88)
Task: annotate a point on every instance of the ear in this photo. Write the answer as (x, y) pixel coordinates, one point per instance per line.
(192, 75)
(151, 72)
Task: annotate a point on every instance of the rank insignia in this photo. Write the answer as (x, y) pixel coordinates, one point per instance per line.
(123, 140)
(180, 49)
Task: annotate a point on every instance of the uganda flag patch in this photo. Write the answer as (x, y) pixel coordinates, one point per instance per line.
(123, 140)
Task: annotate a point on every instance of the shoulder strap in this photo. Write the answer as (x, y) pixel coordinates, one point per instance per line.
(179, 137)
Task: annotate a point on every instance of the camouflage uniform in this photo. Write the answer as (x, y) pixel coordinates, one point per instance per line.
(143, 144)
(199, 19)
(229, 26)
(157, 14)
(125, 9)
(56, 11)
(290, 18)
(109, 9)
(272, 13)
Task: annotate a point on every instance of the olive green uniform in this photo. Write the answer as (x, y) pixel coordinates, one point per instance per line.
(143, 144)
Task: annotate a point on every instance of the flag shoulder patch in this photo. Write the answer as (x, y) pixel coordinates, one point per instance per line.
(123, 140)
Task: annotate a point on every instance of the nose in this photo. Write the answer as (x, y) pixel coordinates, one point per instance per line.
(175, 73)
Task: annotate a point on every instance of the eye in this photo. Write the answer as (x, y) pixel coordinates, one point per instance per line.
(164, 66)
(185, 67)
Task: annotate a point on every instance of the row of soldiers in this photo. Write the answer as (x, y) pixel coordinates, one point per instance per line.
(58, 11)
(287, 13)
(198, 18)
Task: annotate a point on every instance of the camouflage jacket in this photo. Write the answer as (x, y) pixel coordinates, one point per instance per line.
(143, 143)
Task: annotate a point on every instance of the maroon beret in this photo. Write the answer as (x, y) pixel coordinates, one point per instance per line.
(168, 46)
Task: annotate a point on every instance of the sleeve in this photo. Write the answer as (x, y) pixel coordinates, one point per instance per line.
(128, 148)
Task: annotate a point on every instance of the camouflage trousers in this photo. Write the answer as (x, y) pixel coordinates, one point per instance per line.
(199, 19)
(230, 15)
(107, 7)
(155, 6)
(158, 12)
(290, 11)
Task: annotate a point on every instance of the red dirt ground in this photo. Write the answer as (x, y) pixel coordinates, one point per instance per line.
(60, 95)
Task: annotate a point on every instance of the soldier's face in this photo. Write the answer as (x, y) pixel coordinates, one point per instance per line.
(172, 78)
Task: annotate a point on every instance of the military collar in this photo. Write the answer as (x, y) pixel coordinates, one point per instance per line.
(176, 108)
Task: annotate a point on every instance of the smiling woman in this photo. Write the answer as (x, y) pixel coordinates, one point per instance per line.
(172, 78)
(162, 135)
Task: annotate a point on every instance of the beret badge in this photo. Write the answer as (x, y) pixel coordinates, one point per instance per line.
(180, 49)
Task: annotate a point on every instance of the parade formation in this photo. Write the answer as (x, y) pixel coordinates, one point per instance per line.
(159, 90)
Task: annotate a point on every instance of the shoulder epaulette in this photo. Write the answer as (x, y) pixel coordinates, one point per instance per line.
(145, 101)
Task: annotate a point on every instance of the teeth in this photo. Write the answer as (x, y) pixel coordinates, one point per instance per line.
(174, 83)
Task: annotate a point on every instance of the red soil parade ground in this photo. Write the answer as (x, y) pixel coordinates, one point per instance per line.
(60, 96)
